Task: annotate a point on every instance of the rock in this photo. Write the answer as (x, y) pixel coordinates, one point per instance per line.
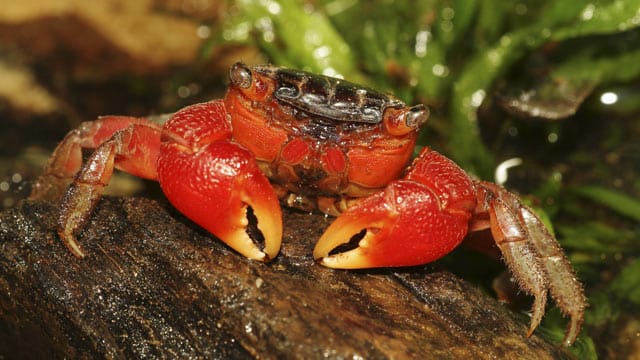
(156, 285)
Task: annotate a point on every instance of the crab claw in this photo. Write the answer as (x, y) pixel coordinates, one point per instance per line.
(405, 224)
(221, 188)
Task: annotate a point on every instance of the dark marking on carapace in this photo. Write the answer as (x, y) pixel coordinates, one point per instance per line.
(328, 98)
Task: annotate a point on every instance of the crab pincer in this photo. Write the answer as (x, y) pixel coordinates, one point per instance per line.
(412, 221)
(217, 183)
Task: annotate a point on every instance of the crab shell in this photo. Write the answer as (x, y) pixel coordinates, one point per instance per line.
(318, 136)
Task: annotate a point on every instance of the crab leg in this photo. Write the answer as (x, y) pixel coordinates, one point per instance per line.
(519, 253)
(133, 142)
(534, 257)
(66, 160)
(217, 183)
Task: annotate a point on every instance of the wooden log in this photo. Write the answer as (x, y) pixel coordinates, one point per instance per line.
(156, 285)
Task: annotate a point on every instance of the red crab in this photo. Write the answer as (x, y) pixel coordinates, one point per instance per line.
(312, 142)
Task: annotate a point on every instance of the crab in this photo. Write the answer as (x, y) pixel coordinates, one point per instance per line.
(316, 143)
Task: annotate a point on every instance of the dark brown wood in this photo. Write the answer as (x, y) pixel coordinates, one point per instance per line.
(155, 285)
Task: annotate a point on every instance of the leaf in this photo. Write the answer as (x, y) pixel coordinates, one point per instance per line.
(558, 21)
(598, 17)
(627, 284)
(570, 71)
(293, 35)
(617, 201)
(598, 238)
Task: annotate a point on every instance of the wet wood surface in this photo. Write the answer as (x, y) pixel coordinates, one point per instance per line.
(155, 285)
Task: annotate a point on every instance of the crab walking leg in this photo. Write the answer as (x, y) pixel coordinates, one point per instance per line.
(217, 183)
(66, 159)
(561, 280)
(519, 253)
(564, 286)
(134, 149)
(60, 170)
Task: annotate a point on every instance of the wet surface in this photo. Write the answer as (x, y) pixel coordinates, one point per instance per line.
(154, 284)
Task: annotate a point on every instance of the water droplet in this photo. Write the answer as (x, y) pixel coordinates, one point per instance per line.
(448, 13)
(273, 7)
(587, 13)
(609, 98)
(422, 39)
(184, 91)
(477, 97)
(203, 32)
(321, 52)
(505, 40)
(265, 25)
(440, 70)
(521, 9)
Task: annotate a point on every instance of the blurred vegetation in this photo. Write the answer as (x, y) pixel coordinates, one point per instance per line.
(503, 79)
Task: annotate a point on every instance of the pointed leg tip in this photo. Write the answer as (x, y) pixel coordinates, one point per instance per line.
(573, 330)
(569, 339)
(532, 329)
(568, 342)
(72, 244)
(537, 311)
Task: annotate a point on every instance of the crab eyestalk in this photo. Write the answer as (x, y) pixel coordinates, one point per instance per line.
(255, 86)
(405, 120)
(240, 75)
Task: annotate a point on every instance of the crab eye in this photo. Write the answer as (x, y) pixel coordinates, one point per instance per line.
(240, 75)
(416, 116)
